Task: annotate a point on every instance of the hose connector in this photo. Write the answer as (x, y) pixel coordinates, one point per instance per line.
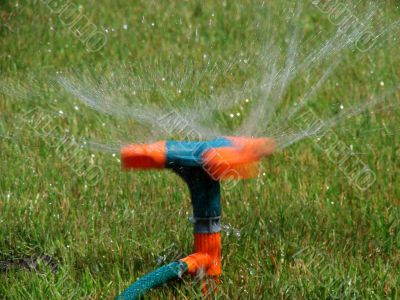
(206, 225)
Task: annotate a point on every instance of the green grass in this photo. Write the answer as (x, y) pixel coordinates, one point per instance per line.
(305, 230)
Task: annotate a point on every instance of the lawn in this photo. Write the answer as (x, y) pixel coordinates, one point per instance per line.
(74, 226)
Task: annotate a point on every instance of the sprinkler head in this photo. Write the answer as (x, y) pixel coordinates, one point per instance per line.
(222, 158)
(201, 165)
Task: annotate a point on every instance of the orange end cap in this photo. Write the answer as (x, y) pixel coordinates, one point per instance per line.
(256, 148)
(241, 160)
(229, 163)
(144, 156)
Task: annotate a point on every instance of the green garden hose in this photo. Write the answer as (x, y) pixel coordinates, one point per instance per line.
(153, 279)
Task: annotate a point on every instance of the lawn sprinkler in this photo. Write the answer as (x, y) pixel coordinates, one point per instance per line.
(201, 165)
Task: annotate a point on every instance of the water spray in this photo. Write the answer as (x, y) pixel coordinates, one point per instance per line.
(202, 165)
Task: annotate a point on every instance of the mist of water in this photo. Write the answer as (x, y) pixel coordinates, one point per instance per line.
(127, 95)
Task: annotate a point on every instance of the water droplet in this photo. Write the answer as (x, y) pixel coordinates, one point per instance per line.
(125, 26)
(247, 100)
(153, 24)
(341, 106)
(238, 114)
(231, 115)
(76, 107)
(60, 112)
(382, 83)
(106, 30)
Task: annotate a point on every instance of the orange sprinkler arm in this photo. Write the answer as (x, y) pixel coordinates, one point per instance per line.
(144, 156)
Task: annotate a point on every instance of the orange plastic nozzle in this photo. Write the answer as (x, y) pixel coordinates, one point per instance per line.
(241, 160)
(254, 148)
(144, 156)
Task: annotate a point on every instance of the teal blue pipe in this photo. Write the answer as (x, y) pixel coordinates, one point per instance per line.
(205, 192)
(153, 279)
(186, 159)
